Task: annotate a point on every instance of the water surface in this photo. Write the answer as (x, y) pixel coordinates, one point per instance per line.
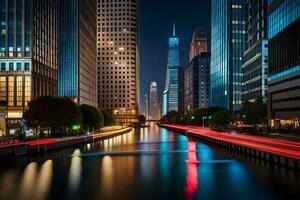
(149, 164)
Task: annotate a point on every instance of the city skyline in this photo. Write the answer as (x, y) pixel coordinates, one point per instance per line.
(154, 36)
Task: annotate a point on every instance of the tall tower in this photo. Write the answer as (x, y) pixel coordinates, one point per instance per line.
(199, 43)
(255, 58)
(154, 104)
(118, 58)
(146, 107)
(77, 77)
(171, 93)
(227, 48)
(28, 55)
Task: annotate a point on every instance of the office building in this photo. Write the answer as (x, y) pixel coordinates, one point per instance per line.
(118, 58)
(171, 93)
(28, 55)
(154, 104)
(255, 67)
(284, 63)
(77, 70)
(199, 43)
(196, 83)
(227, 48)
(146, 107)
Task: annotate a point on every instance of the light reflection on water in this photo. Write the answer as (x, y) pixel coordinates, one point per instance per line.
(75, 171)
(151, 163)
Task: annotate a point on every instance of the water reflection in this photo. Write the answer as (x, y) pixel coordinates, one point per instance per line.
(35, 183)
(151, 164)
(192, 171)
(75, 171)
(27, 184)
(107, 174)
(44, 180)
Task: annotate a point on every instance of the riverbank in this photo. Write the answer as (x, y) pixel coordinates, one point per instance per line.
(277, 151)
(44, 145)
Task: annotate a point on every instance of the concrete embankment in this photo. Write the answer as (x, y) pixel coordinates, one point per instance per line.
(40, 146)
(276, 151)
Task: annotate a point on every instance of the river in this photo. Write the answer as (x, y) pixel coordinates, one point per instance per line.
(152, 163)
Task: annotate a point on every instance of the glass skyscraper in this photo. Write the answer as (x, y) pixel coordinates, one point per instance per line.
(227, 48)
(77, 66)
(171, 93)
(284, 63)
(28, 54)
(255, 67)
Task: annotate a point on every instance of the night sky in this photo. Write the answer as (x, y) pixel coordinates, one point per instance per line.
(156, 20)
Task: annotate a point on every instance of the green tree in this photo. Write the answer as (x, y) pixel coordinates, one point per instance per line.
(254, 112)
(164, 119)
(142, 119)
(221, 119)
(54, 113)
(92, 118)
(108, 118)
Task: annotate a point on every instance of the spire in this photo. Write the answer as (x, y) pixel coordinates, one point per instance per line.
(174, 29)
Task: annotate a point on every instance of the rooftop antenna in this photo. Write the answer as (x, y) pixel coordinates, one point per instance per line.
(174, 29)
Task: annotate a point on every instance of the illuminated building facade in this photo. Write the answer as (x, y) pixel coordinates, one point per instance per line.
(199, 42)
(154, 104)
(118, 58)
(196, 83)
(146, 106)
(28, 55)
(77, 70)
(171, 93)
(227, 48)
(284, 63)
(255, 67)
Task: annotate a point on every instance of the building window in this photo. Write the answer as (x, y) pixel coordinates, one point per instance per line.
(11, 90)
(19, 66)
(27, 89)
(27, 66)
(3, 67)
(11, 66)
(3, 90)
(19, 90)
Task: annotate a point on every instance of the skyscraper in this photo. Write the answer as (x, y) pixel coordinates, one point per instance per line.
(171, 93)
(118, 58)
(196, 83)
(255, 67)
(284, 63)
(146, 107)
(199, 43)
(77, 77)
(227, 48)
(154, 104)
(28, 54)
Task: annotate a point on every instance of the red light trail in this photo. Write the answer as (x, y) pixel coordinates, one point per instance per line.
(273, 146)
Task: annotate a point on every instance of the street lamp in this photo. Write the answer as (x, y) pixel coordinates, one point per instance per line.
(203, 120)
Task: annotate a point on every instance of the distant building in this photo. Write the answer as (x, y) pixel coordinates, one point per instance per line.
(154, 104)
(28, 55)
(171, 93)
(284, 63)
(255, 67)
(146, 107)
(227, 48)
(77, 50)
(199, 43)
(196, 83)
(118, 58)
